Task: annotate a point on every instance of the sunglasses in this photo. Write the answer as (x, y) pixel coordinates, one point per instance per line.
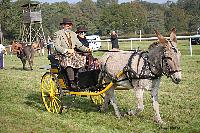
(82, 33)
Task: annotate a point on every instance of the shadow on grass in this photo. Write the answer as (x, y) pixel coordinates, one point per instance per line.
(21, 69)
(82, 104)
(34, 100)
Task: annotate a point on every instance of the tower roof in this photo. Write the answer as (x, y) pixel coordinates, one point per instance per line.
(32, 4)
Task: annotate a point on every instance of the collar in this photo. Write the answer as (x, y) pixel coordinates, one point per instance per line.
(66, 30)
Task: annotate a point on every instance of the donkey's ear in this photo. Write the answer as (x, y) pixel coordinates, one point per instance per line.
(161, 39)
(173, 36)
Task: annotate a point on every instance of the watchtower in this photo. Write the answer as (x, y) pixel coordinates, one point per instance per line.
(31, 29)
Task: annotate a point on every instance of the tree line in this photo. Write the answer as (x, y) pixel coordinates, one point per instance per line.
(102, 16)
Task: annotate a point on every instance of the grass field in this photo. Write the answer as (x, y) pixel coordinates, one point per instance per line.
(21, 108)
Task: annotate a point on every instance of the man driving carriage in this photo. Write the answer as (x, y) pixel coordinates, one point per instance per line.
(66, 43)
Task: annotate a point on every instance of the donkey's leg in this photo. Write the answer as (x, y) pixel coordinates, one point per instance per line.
(31, 63)
(154, 94)
(113, 101)
(139, 102)
(31, 57)
(23, 59)
(109, 96)
(104, 107)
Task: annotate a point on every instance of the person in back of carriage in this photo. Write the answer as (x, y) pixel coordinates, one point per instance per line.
(81, 35)
(65, 43)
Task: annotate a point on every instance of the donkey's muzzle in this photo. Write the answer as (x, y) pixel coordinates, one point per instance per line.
(176, 77)
(177, 80)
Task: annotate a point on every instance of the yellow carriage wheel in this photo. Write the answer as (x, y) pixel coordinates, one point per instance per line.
(98, 100)
(51, 93)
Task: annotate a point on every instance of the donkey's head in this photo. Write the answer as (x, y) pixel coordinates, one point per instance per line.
(171, 56)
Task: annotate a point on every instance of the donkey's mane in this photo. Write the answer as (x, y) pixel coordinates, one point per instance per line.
(153, 45)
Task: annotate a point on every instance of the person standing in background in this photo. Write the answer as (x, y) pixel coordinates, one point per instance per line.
(114, 40)
(2, 50)
(49, 45)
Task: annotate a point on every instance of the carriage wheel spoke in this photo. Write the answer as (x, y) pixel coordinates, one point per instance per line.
(56, 106)
(44, 90)
(47, 86)
(57, 98)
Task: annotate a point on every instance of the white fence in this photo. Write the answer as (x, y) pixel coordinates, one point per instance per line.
(151, 38)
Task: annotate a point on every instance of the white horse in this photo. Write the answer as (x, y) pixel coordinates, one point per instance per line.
(141, 71)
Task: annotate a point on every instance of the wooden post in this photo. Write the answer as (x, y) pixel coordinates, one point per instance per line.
(190, 46)
(131, 44)
(108, 45)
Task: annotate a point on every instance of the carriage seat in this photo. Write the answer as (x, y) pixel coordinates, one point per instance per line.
(55, 65)
(53, 61)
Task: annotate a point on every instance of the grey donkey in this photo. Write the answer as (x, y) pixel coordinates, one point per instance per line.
(142, 70)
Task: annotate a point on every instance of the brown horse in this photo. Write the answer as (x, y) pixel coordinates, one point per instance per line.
(24, 52)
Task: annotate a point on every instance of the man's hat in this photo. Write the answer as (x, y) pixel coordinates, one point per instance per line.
(81, 29)
(66, 21)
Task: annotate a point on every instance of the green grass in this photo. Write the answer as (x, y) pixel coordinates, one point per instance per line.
(21, 108)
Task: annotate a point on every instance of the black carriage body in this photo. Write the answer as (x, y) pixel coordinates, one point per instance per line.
(86, 78)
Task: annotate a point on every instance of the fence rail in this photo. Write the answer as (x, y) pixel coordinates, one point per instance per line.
(150, 39)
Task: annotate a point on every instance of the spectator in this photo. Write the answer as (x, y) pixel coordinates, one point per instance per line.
(49, 45)
(114, 40)
(2, 50)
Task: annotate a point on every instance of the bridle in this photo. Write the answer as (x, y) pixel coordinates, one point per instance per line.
(165, 59)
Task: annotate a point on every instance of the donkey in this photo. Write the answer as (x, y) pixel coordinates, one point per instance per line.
(24, 52)
(142, 70)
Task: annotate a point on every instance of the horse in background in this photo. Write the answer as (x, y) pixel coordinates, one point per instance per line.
(142, 70)
(24, 52)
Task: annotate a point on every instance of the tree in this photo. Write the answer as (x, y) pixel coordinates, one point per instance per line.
(177, 17)
(155, 18)
(105, 3)
(192, 9)
(88, 13)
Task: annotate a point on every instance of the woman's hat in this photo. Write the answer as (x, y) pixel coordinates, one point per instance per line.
(66, 21)
(81, 29)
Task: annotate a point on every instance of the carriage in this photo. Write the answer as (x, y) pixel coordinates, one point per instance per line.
(55, 84)
(139, 70)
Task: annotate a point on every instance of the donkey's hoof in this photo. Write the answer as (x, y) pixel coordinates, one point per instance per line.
(26, 69)
(160, 122)
(131, 112)
(119, 116)
(103, 109)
